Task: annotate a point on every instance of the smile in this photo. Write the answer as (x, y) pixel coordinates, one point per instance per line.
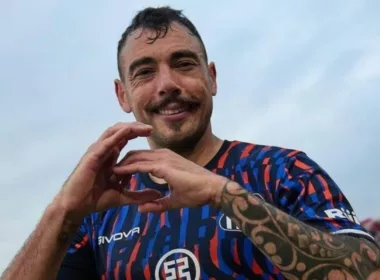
(176, 108)
(171, 112)
(176, 111)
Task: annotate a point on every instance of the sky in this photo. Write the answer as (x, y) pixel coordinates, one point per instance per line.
(301, 74)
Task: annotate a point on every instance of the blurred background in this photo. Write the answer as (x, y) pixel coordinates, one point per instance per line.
(300, 74)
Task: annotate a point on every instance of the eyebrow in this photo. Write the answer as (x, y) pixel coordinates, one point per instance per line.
(139, 62)
(184, 54)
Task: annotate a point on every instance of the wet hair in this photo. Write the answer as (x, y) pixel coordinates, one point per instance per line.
(159, 20)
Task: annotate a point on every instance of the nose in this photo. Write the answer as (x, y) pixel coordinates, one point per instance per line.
(166, 82)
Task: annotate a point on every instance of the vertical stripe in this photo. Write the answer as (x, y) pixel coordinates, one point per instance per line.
(117, 226)
(214, 249)
(183, 227)
(134, 254)
(117, 270)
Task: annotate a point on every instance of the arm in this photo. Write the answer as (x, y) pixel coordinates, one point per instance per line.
(43, 252)
(90, 188)
(300, 251)
(304, 229)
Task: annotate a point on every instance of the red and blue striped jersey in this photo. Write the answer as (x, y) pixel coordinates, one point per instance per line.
(203, 243)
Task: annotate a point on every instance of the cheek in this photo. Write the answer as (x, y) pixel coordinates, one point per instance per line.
(138, 108)
(139, 98)
(198, 88)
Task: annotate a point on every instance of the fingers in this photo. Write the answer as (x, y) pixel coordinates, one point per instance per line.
(146, 155)
(159, 205)
(120, 138)
(113, 129)
(116, 197)
(152, 167)
(119, 181)
(143, 196)
(133, 156)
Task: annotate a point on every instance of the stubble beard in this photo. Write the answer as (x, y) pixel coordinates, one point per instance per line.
(183, 144)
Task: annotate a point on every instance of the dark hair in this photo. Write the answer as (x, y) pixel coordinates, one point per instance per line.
(159, 20)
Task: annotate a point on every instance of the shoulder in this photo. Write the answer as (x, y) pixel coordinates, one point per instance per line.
(259, 154)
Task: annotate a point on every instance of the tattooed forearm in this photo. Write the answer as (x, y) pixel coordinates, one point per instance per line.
(298, 250)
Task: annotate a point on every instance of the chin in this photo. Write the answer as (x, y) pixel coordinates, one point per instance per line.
(178, 140)
(182, 134)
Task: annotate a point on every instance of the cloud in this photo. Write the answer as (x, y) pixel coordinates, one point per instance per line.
(300, 75)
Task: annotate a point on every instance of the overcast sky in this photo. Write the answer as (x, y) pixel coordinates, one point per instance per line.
(295, 74)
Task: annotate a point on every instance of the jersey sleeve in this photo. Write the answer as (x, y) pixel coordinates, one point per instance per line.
(79, 263)
(309, 194)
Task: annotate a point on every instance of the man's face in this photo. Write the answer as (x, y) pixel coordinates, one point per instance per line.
(168, 85)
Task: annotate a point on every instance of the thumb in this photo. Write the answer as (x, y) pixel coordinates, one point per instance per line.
(141, 196)
(158, 205)
(116, 198)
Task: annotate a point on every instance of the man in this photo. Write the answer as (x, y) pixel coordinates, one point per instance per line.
(193, 206)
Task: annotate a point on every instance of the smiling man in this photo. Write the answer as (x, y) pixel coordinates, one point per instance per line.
(194, 206)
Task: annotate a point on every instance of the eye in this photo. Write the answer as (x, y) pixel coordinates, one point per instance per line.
(186, 65)
(144, 72)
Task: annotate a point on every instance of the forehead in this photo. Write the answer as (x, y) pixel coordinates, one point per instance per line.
(138, 44)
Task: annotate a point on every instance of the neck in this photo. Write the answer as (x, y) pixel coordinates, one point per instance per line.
(204, 150)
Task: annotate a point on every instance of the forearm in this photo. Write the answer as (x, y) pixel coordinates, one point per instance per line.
(43, 253)
(298, 250)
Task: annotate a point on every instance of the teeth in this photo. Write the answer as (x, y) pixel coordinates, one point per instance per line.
(171, 112)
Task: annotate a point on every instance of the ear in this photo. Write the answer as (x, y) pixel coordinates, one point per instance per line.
(121, 95)
(212, 73)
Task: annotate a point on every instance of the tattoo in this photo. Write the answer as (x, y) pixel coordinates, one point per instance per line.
(298, 250)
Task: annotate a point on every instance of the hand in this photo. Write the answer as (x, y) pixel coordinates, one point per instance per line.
(92, 187)
(191, 185)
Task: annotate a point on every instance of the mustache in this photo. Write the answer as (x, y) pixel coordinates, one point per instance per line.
(171, 98)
